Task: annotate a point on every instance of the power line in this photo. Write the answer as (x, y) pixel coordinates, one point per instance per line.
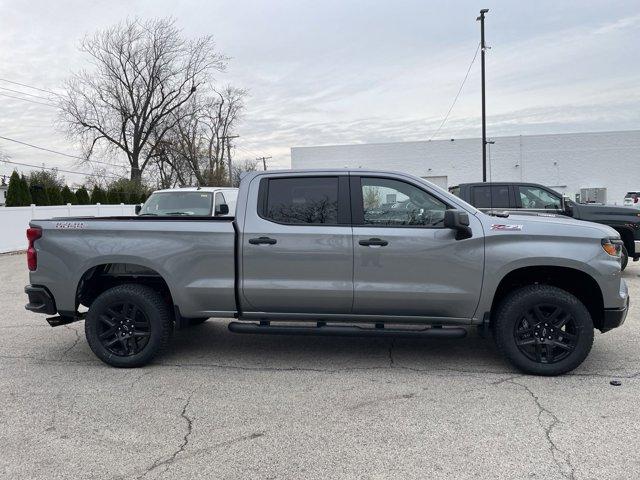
(29, 86)
(59, 153)
(62, 170)
(475, 55)
(28, 100)
(253, 152)
(25, 93)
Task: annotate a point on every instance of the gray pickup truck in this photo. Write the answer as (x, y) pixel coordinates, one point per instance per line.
(334, 252)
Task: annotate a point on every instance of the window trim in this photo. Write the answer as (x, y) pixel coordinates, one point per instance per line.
(344, 210)
(357, 202)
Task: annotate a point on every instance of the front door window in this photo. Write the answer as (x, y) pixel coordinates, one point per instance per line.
(388, 202)
(539, 199)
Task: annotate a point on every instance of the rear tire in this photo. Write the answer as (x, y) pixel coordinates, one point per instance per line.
(128, 325)
(624, 258)
(543, 330)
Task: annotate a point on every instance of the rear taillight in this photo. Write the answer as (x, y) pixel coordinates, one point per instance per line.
(32, 257)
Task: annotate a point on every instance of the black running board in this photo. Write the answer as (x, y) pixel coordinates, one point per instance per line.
(347, 331)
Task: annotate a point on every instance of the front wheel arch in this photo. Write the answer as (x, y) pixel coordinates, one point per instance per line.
(578, 283)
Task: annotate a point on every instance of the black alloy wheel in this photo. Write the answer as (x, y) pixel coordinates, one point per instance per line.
(128, 325)
(546, 333)
(543, 329)
(124, 329)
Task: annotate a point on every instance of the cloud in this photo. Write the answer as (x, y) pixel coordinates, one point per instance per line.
(352, 72)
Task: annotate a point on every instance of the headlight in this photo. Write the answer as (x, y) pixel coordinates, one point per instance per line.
(613, 246)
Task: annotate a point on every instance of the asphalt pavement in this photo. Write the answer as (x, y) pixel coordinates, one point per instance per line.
(221, 405)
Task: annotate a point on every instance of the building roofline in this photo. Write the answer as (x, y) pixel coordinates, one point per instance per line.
(354, 145)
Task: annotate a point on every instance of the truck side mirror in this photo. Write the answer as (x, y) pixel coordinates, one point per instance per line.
(223, 209)
(567, 208)
(458, 221)
(138, 208)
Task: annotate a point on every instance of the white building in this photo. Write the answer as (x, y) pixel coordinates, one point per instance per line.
(565, 162)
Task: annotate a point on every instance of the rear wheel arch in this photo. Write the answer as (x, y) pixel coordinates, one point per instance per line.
(580, 284)
(99, 278)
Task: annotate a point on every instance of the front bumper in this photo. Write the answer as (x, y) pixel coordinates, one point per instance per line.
(40, 300)
(614, 317)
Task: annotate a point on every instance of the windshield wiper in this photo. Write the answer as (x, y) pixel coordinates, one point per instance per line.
(150, 214)
(177, 213)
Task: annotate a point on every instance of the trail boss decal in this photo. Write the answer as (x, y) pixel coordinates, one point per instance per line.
(502, 227)
(69, 225)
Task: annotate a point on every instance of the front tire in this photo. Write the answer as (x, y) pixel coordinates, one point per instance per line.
(128, 325)
(543, 330)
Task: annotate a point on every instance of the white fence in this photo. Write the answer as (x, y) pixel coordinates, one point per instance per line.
(14, 221)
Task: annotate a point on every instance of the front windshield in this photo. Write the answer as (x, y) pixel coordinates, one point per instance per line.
(178, 204)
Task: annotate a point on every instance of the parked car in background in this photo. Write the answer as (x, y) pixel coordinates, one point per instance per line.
(191, 201)
(632, 199)
(389, 252)
(532, 198)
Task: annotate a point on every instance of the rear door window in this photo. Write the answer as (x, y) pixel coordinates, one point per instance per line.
(302, 200)
(491, 196)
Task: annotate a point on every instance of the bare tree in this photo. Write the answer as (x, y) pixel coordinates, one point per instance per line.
(194, 148)
(145, 71)
(239, 170)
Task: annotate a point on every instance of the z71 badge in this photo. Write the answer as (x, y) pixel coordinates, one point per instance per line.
(69, 225)
(503, 227)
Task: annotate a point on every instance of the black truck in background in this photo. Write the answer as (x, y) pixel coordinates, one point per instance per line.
(537, 199)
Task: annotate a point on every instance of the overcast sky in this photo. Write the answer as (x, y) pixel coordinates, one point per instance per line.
(336, 72)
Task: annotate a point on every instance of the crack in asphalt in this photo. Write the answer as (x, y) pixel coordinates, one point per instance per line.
(376, 401)
(166, 462)
(565, 467)
(64, 354)
(391, 345)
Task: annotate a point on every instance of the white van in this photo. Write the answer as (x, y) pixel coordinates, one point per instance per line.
(191, 201)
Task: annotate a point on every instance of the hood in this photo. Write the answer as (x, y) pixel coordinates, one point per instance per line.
(606, 209)
(545, 224)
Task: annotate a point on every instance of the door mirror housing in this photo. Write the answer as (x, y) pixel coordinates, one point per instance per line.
(567, 207)
(458, 221)
(223, 209)
(138, 208)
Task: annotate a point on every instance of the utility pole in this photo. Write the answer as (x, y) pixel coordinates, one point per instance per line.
(484, 110)
(264, 161)
(227, 138)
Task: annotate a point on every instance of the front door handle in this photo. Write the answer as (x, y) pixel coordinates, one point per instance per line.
(263, 241)
(373, 242)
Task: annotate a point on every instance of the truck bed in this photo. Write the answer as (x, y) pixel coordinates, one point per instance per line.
(194, 254)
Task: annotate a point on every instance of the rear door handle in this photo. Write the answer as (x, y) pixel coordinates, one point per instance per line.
(373, 242)
(263, 241)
